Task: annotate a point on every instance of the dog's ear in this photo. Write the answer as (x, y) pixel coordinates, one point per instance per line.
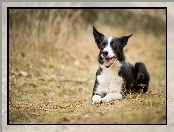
(98, 37)
(124, 40)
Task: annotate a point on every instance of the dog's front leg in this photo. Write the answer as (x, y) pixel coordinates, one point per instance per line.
(111, 96)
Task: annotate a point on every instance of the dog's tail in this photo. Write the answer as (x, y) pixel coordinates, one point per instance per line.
(141, 77)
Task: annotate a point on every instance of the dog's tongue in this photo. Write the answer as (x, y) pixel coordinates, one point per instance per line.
(108, 61)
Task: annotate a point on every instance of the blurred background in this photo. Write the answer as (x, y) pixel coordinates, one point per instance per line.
(53, 55)
(39, 35)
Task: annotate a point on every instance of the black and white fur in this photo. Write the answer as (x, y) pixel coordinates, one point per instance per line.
(115, 77)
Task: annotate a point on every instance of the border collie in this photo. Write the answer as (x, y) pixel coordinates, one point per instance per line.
(115, 77)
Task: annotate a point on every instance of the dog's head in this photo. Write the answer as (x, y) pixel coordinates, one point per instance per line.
(111, 48)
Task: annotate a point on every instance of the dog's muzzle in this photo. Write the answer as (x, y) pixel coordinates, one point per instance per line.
(108, 61)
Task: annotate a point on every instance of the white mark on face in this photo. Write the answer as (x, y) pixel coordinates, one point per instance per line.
(108, 48)
(110, 39)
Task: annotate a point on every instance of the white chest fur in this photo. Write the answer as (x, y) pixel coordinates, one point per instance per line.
(109, 81)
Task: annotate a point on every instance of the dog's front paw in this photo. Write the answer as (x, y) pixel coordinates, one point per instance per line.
(106, 99)
(112, 96)
(96, 99)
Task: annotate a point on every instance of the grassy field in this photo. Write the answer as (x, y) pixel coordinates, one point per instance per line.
(53, 60)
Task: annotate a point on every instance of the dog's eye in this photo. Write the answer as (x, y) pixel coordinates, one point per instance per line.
(103, 44)
(112, 43)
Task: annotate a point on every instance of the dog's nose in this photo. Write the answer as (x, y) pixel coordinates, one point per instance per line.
(105, 53)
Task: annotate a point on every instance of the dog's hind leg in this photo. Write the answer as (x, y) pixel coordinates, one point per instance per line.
(141, 77)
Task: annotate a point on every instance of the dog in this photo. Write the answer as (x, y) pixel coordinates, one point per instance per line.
(115, 77)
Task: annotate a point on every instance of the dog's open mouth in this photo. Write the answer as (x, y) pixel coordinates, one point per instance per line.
(109, 61)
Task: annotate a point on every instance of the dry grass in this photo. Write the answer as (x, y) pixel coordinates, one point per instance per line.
(52, 71)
